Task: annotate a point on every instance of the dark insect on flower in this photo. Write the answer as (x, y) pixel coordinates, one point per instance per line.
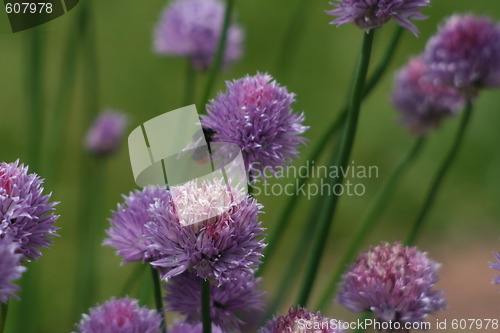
(200, 154)
(255, 113)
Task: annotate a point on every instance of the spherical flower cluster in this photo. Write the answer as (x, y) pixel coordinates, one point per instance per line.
(229, 242)
(10, 268)
(256, 114)
(127, 231)
(465, 53)
(300, 320)
(120, 316)
(394, 282)
(106, 133)
(423, 104)
(496, 265)
(184, 327)
(372, 14)
(192, 28)
(26, 215)
(241, 294)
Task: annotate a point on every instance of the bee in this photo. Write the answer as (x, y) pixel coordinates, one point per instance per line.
(201, 154)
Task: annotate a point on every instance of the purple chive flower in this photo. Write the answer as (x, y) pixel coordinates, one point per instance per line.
(465, 53)
(25, 213)
(256, 114)
(192, 28)
(120, 316)
(126, 233)
(303, 321)
(423, 105)
(393, 281)
(241, 294)
(230, 242)
(10, 268)
(496, 265)
(184, 327)
(371, 14)
(106, 133)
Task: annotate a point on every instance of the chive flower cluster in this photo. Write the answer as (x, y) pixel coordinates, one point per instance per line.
(459, 61)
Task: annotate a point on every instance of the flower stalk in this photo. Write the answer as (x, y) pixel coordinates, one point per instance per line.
(326, 214)
(205, 306)
(219, 55)
(158, 297)
(277, 231)
(4, 309)
(440, 175)
(369, 221)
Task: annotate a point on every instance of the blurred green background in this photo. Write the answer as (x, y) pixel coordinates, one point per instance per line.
(461, 232)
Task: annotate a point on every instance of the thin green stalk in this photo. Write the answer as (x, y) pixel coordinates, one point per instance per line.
(145, 290)
(92, 174)
(57, 127)
(189, 87)
(292, 36)
(381, 68)
(90, 59)
(158, 296)
(4, 309)
(219, 55)
(278, 228)
(205, 306)
(92, 195)
(365, 315)
(133, 279)
(327, 212)
(296, 258)
(35, 96)
(34, 84)
(374, 211)
(440, 175)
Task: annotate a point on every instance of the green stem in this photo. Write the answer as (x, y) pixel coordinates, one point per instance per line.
(133, 279)
(376, 208)
(219, 55)
(4, 309)
(296, 259)
(92, 195)
(278, 228)
(158, 296)
(365, 315)
(327, 212)
(92, 174)
(34, 84)
(205, 306)
(35, 96)
(190, 83)
(292, 37)
(381, 68)
(440, 175)
(62, 99)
